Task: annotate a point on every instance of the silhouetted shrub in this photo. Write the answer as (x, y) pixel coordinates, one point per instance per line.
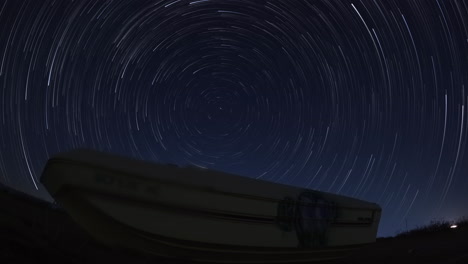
(462, 222)
(432, 227)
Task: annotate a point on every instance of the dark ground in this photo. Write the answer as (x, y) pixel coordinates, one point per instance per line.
(33, 231)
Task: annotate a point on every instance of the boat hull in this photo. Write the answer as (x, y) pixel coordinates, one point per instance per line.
(196, 220)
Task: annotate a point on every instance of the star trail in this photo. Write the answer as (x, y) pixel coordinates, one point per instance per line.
(361, 98)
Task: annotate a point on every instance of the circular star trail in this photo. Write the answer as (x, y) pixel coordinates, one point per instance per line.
(362, 98)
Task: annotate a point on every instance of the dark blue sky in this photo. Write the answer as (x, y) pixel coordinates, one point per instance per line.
(361, 98)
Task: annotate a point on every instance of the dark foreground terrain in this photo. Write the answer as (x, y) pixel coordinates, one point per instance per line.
(34, 231)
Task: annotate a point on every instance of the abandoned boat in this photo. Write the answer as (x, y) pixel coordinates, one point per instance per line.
(205, 215)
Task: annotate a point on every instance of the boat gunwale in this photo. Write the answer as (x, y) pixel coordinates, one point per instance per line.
(140, 176)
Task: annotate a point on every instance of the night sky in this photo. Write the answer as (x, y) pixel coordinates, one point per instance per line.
(364, 98)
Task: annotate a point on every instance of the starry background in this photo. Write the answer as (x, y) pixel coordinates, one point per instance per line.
(361, 98)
